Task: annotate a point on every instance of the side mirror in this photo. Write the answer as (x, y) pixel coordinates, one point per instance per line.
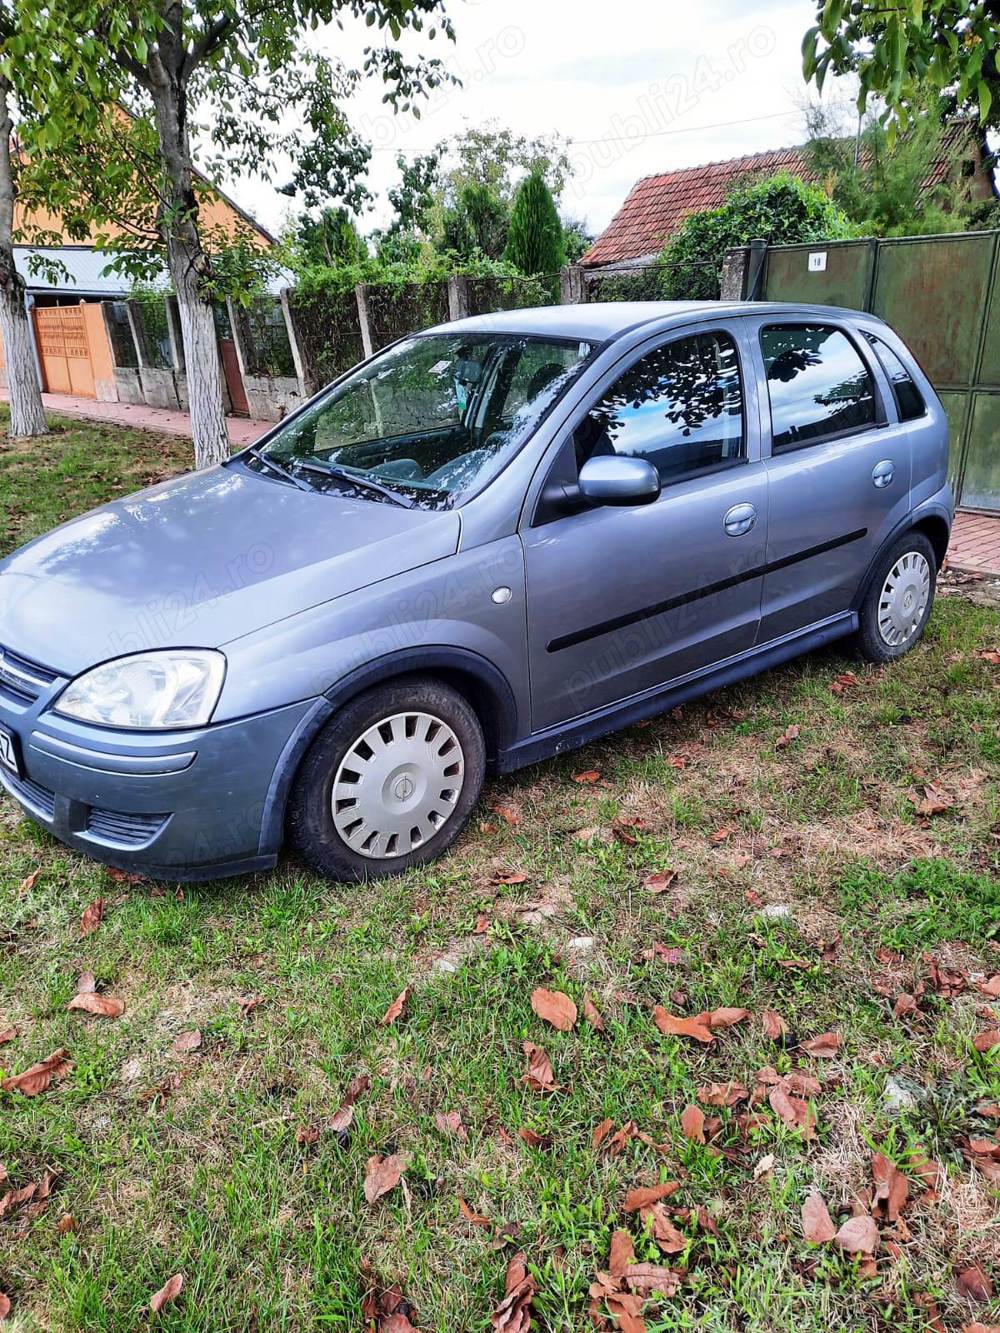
(612, 479)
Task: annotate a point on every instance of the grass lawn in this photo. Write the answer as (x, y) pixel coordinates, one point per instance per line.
(843, 875)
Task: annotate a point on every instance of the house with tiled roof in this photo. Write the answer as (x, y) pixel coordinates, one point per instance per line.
(657, 205)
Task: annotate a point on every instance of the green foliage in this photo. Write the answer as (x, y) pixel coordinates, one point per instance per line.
(577, 239)
(887, 192)
(535, 240)
(476, 224)
(329, 238)
(899, 51)
(779, 209)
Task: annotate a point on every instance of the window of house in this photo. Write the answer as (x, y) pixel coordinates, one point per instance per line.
(680, 407)
(817, 383)
(909, 400)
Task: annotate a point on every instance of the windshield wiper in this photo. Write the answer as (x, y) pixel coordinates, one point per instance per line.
(278, 470)
(363, 483)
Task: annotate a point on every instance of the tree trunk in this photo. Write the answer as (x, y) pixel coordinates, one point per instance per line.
(190, 266)
(27, 416)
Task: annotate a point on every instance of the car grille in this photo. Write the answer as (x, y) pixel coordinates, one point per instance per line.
(22, 680)
(32, 794)
(124, 830)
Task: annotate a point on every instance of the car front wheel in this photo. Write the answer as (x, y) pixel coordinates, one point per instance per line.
(898, 602)
(389, 783)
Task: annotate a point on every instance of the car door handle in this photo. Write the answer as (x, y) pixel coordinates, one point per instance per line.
(740, 519)
(883, 473)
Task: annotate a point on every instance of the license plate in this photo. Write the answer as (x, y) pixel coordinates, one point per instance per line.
(8, 751)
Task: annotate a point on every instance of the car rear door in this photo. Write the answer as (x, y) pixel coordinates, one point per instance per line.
(623, 600)
(837, 462)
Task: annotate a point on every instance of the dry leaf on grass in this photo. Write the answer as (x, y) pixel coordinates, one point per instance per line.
(726, 1018)
(646, 1195)
(554, 1007)
(590, 776)
(382, 1174)
(450, 1122)
(696, 1028)
(773, 1024)
(693, 1124)
(790, 734)
(721, 834)
(307, 1134)
(934, 801)
(248, 1003)
(592, 1014)
(396, 1323)
(66, 1224)
(343, 1117)
(36, 1079)
(985, 1041)
(475, 1219)
(845, 681)
(858, 1235)
(660, 881)
(26, 885)
(513, 1314)
(170, 1290)
(101, 1006)
(92, 917)
(539, 1077)
(8, 1034)
(824, 1047)
(4, 1305)
(974, 1284)
(723, 1094)
(186, 1042)
(817, 1225)
(792, 1111)
(396, 1008)
(891, 1188)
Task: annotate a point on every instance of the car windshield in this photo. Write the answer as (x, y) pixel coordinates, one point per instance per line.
(431, 420)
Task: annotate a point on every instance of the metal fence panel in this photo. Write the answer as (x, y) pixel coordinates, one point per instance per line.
(933, 292)
(844, 278)
(328, 331)
(396, 309)
(981, 473)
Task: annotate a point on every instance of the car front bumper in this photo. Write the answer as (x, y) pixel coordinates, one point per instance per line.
(171, 805)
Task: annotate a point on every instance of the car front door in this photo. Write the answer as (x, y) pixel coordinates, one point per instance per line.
(838, 467)
(622, 600)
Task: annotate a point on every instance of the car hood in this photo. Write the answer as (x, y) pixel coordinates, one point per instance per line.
(199, 561)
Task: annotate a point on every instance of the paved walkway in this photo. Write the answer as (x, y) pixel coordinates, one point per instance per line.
(975, 541)
(975, 544)
(241, 430)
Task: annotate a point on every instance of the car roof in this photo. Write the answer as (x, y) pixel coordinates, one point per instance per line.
(601, 321)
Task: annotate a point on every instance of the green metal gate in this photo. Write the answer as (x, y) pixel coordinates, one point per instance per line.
(942, 296)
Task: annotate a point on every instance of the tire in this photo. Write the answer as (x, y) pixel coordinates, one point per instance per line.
(898, 603)
(389, 783)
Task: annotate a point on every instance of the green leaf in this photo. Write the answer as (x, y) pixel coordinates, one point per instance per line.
(985, 101)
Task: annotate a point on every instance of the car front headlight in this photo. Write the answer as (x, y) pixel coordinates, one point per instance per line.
(148, 692)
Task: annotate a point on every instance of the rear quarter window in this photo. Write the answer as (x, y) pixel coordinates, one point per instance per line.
(909, 400)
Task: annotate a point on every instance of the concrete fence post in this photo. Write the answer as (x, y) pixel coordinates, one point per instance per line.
(175, 335)
(364, 319)
(572, 285)
(137, 324)
(458, 296)
(306, 388)
(733, 281)
(755, 273)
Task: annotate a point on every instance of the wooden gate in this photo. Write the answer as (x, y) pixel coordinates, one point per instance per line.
(64, 350)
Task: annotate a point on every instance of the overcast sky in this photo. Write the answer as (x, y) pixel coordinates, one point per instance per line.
(639, 86)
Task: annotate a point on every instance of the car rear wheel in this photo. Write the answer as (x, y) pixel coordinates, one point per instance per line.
(898, 602)
(389, 783)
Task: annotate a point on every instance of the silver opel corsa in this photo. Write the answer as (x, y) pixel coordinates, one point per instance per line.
(492, 542)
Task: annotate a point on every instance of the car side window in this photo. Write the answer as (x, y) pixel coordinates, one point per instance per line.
(679, 406)
(909, 400)
(817, 382)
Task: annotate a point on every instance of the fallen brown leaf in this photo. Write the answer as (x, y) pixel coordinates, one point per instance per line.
(170, 1290)
(974, 1284)
(845, 681)
(307, 1134)
(891, 1188)
(592, 1014)
(382, 1174)
(8, 1034)
(791, 733)
(396, 1008)
(66, 1224)
(532, 1137)
(4, 1305)
(186, 1042)
(985, 1041)
(817, 1225)
(823, 1047)
(933, 802)
(92, 917)
(513, 1314)
(248, 1003)
(26, 885)
(721, 834)
(645, 1195)
(693, 1124)
(554, 1007)
(726, 1018)
(475, 1219)
(622, 1253)
(450, 1122)
(723, 1094)
(539, 1077)
(773, 1024)
(660, 881)
(590, 776)
(36, 1079)
(858, 1235)
(696, 1028)
(101, 1006)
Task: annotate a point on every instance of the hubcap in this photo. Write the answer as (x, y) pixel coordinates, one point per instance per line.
(398, 785)
(904, 599)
